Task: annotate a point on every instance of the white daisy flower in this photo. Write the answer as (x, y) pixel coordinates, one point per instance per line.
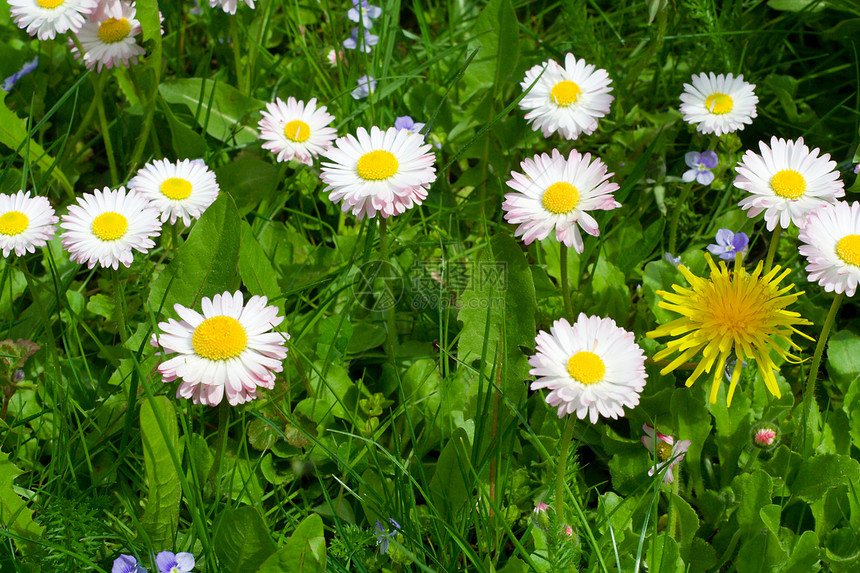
(181, 190)
(105, 226)
(229, 6)
(230, 348)
(831, 243)
(296, 130)
(592, 368)
(557, 193)
(718, 103)
(25, 223)
(667, 451)
(47, 18)
(787, 182)
(568, 99)
(386, 171)
(109, 36)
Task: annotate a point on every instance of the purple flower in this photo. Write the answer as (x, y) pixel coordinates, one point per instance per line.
(360, 39)
(406, 122)
(169, 562)
(728, 244)
(366, 86)
(700, 165)
(674, 260)
(127, 564)
(731, 364)
(857, 169)
(28, 67)
(382, 535)
(364, 12)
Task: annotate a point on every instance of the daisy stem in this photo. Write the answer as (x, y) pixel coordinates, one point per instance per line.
(119, 305)
(237, 54)
(390, 332)
(561, 473)
(565, 287)
(676, 215)
(223, 430)
(809, 394)
(105, 129)
(673, 515)
(771, 250)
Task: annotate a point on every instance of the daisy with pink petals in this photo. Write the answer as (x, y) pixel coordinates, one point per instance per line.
(296, 130)
(592, 368)
(25, 223)
(385, 172)
(109, 36)
(229, 349)
(667, 452)
(47, 18)
(830, 241)
(554, 193)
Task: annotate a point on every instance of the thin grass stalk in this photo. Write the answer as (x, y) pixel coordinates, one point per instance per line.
(809, 393)
(565, 286)
(771, 250)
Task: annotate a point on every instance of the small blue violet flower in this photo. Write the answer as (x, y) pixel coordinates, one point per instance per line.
(700, 165)
(127, 564)
(407, 123)
(363, 12)
(728, 244)
(382, 535)
(674, 260)
(169, 562)
(731, 364)
(360, 39)
(28, 67)
(366, 85)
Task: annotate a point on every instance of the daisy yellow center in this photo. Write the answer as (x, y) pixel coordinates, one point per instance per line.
(176, 188)
(297, 131)
(112, 30)
(219, 338)
(49, 3)
(848, 249)
(13, 223)
(110, 226)
(788, 184)
(565, 93)
(586, 367)
(719, 104)
(664, 451)
(377, 165)
(733, 313)
(560, 198)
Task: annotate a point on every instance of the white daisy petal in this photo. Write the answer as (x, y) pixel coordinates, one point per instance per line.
(830, 241)
(381, 171)
(109, 36)
(718, 103)
(296, 130)
(47, 18)
(554, 192)
(181, 190)
(25, 223)
(229, 6)
(588, 379)
(105, 226)
(219, 354)
(569, 99)
(787, 182)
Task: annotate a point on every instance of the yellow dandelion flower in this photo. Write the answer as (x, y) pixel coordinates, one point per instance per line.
(731, 313)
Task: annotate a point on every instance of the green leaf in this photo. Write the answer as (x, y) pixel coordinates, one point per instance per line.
(16, 517)
(149, 18)
(804, 556)
(249, 180)
(760, 552)
(693, 423)
(820, 473)
(14, 134)
(797, 5)
(242, 541)
(754, 491)
(161, 518)
(660, 275)
(843, 348)
(495, 33)
(218, 108)
(187, 143)
(449, 487)
(303, 553)
(206, 263)
(687, 519)
(257, 273)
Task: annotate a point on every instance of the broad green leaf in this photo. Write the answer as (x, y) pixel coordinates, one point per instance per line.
(660, 275)
(495, 33)
(804, 556)
(797, 5)
(733, 426)
(843, 365)
(257, 273)
(206, 263)
(218, 107)
(303, 553)
(161, 518)
(16, 517)
(187, 143)
(820, 473)
(760, 551)
(449, 486)
(150, 21)
(693, 423)
(242, 541)
(664, 555)
(688, 521)
(611, 296)
(14, 135)
(249, 180)
(754, 492)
